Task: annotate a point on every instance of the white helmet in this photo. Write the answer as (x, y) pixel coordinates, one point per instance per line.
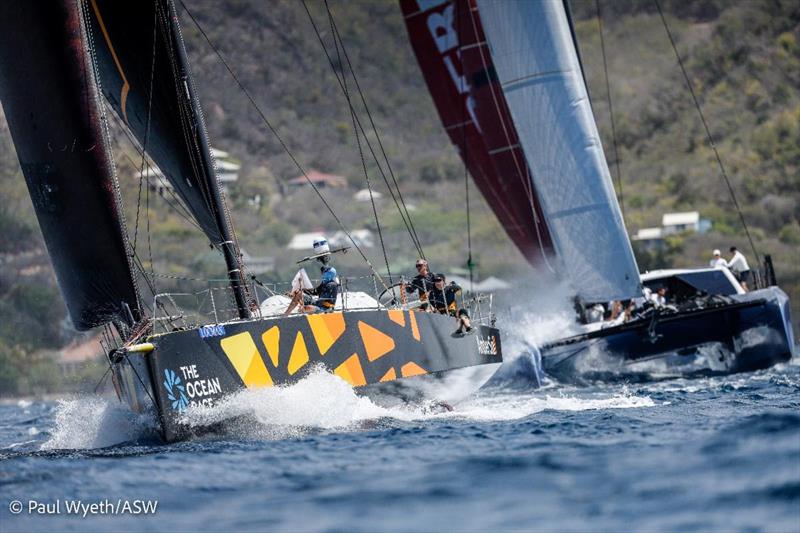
(321, 246)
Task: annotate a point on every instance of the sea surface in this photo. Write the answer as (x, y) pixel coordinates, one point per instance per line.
(719, 453)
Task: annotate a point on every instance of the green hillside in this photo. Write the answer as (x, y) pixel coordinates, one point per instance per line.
(743, 59)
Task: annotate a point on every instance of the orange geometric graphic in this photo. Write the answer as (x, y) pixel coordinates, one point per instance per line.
(376, 342)
(271, 339)
(243, 355)
(327, 328)
(412, 369)
(299, 355)
(414, 328)
(398, 317)
(391, 375)
(351, 371)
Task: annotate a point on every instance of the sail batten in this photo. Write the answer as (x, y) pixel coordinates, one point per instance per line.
(537, 64)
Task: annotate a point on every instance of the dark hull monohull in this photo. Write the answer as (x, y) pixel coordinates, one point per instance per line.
(376, 351)
(750, 333)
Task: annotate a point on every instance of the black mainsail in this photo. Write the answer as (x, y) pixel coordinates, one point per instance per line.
(144, 74)
(57, 62)
(54, 112)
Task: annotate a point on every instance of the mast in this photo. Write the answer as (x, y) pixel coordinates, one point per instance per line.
(228, 245)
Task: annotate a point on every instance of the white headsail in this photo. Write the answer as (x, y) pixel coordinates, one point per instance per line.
(534, 53)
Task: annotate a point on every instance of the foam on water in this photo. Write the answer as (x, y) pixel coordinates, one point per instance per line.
(95, 422)
(319, 402)
(322, 401)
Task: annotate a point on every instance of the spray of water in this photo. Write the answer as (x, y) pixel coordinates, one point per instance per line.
(539, 313)
(95, 422)
(320, 402)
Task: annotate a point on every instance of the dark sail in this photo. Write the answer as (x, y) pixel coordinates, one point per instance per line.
(448, 40)
(50, 99)
(145, 76)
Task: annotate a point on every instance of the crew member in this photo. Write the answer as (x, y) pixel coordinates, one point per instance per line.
(422, 282)
(327, 290)
(659, 298)
(739, 267)
(718, 261)
(442, 298)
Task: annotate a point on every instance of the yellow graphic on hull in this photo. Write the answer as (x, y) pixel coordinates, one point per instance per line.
(261, 364)
(299, 356)
(271, 339)
(351, 371)
(243, 355)
(376, 342)
(327, 328)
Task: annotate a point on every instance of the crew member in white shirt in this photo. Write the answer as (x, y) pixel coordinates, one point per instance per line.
(718, 261)
(739, 267)
(659, 298)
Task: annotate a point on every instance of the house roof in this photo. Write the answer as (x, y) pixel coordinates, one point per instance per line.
(316, 177)
(364, 196)
(304, 241)
(676, 219)
(648, 233)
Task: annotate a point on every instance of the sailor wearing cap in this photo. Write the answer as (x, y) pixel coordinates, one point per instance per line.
(422, 282)
(718, 261)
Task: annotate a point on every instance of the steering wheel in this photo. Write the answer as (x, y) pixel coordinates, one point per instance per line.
(391, 295)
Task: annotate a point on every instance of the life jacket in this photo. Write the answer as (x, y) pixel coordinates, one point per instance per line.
(328, 289)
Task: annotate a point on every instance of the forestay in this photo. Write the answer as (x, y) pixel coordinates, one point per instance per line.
(535, 56)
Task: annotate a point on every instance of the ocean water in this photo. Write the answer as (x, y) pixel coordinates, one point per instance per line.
(718, 453)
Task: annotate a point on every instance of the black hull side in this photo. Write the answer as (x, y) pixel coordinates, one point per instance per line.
(368, 349)
(752, 333)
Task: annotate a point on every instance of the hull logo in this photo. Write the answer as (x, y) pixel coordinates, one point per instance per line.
(487, 346)
(211, 331)
(176, 391)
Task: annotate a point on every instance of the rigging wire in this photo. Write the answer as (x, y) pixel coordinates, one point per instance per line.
(398, 198)
(147, 232)
(177, 206)
(466, 165)
(280, 140)
(336, 43)
(147, 125)
(415, 237)
(617, 163)
(708, 132)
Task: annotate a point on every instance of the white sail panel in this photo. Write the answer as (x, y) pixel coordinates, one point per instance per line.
(537, 64)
